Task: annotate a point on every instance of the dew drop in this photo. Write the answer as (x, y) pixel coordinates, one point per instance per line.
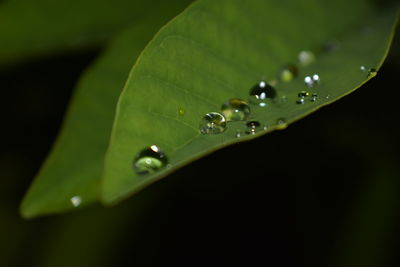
(288, 73)
(372, 73)
(313, 80)
(284, 99)
(301, 101)
(261, 93)
(76, 201)
(314, 97)
(281, 124)
(181, 111)
(235, 110)
(213, 123)
(149, 160)
(306, 57)
(363, 68)
(238, 133)
(253, 127)
(303, 94)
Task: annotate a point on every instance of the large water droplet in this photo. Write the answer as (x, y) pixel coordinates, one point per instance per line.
(235, 110)
(261, 93)
(253, 127)
(76, 201)
(306, 57)
(281, 124)
(149, 160)
(288, 73)
(212, 123)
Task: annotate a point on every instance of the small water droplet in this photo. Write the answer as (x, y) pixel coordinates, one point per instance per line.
(284, 99)
(311, 81)
(288, 73)
(265, 127)
(303, 94)
(372, 73)
(149, 160)
(363, 68)
(252, 127)
(235, 110)
(314, 97)
(328, 96)
(238, 133)
(281, 124)
(76, 201)
(300, 101)
(181, 111)
(212, 123)
(261, 93)
(306, 57)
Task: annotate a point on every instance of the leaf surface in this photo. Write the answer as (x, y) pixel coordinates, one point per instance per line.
(71, 174)
(218, 50)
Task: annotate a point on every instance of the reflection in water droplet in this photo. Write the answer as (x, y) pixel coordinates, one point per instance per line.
(306, 57)
(253, 127)
(261, 93)
(288, 73)
(235, 110)
(149, 160)
(300, 101)
(76, 201)
(281, 124)
(213, 123)
(181, 111)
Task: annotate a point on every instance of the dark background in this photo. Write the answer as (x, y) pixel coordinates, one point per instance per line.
(323, 192)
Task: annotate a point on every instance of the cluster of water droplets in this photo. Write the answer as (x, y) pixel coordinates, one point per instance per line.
(261, 95)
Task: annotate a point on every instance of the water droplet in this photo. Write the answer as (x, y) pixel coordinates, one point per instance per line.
(238, 133)
(252, 127)
(213, 123)
(235, 110)
(372, 73)
(265, 127)
(149, 160)
(288, 73)
(76, 201)
(312, 81)
(300, 101)
(284, 99)
(314, 97)
(306, 57)
(281, 124)
(328, 96)
(303, 94)
(181, 111)
(261, 93)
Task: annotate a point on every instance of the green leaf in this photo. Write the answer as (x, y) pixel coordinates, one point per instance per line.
(74, 166)
(218, 50)
(41, 27)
